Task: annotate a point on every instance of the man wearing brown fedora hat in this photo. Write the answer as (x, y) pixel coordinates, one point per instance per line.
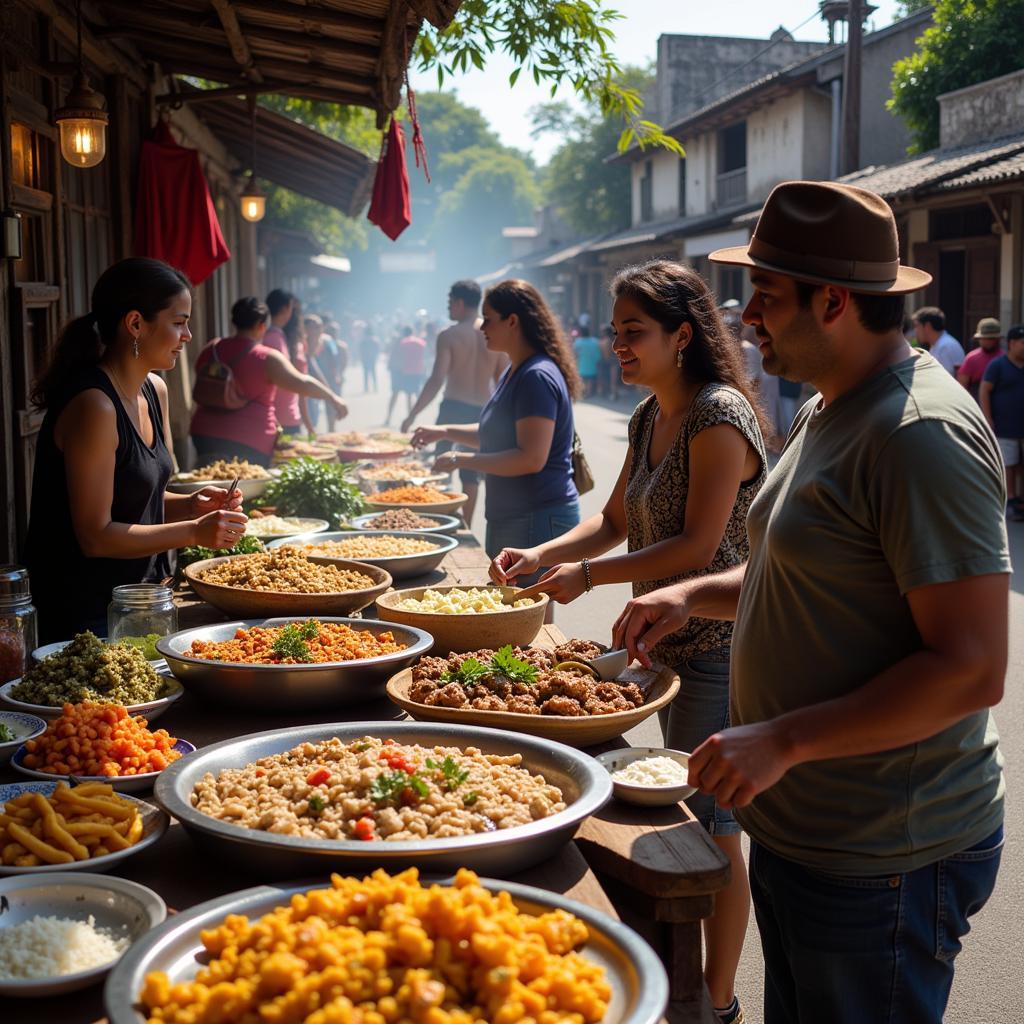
(871, 633)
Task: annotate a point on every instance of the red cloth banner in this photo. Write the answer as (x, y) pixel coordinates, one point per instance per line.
(175, 219)
(390, 208)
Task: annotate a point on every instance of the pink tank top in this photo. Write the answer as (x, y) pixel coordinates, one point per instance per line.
(286, 405)
(255, 424)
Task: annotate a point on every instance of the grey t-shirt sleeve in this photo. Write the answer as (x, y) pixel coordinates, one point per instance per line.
(937, 498)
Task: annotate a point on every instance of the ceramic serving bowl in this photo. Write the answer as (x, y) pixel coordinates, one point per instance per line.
(648, 796)
(121, 908)
(22, 727)
(150, 711)
(248, 604)
(467, 631)
(442, 524)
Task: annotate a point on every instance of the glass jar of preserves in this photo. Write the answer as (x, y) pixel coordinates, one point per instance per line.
(18, 626)
(139, 610)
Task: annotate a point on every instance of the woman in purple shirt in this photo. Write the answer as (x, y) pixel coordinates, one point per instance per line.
(524, 438)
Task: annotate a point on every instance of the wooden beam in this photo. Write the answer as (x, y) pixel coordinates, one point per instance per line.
(311, 16)
(236, 40)
(345, 97)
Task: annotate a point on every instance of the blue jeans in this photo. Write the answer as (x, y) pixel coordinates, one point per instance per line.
(699, 710)
(530, 529)
(865, 950)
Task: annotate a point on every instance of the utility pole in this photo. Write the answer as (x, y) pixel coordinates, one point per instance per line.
(851, 87)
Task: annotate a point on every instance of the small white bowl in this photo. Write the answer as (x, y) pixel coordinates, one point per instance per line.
(24, 727)
(648, 796)
(121, 907)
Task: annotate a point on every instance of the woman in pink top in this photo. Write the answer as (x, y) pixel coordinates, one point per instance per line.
(259, 371)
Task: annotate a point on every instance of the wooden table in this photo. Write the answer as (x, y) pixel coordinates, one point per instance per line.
(658, 866)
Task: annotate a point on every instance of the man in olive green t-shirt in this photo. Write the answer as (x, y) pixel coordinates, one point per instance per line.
(870, 638)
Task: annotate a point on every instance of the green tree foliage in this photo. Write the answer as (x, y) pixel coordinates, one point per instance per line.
(907, 7)
(590, 193)
(969, 41)
(492, 190)
(555, 42)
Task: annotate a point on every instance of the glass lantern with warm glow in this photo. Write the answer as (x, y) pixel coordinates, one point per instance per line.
(83, 126)
(254, 202)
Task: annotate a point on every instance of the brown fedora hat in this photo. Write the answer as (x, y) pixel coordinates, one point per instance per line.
(827, 233)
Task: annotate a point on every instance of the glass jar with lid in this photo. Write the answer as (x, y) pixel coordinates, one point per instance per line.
(18, 626)
(139, 609)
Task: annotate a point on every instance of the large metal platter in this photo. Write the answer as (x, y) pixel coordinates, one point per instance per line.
(289, 687)
(401, 567)
(585, 786)
(445, 524)
(638, 979)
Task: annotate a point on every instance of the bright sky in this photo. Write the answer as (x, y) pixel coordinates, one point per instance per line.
(507, 109)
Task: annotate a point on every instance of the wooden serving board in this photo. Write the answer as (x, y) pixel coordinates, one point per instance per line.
(659, 687)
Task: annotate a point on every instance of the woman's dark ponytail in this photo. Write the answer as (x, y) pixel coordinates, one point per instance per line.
(147, 285)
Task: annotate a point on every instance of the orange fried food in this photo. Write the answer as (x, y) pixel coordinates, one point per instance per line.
(413, 495)
(100, 739)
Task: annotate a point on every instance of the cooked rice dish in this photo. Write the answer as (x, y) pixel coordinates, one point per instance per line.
(372, 789)
(50, 947)
(284, 571)
(366, 547)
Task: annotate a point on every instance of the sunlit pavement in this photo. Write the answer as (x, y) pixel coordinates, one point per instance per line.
(989, 986)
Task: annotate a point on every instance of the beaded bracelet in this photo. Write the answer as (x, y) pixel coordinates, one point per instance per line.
(588, 581)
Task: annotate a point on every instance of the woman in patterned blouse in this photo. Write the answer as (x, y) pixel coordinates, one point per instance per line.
(696, 461)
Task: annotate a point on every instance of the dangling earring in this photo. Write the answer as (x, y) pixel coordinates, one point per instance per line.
(135, 347)
(679, 358)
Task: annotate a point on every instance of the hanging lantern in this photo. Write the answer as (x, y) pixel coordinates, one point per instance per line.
(83, 125)
(253, 201)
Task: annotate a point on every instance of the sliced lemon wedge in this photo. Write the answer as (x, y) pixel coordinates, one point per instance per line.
(581, 668)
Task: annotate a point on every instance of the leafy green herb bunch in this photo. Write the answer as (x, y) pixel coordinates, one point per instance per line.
(316, 490)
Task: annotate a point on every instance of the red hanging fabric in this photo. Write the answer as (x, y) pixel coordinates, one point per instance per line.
(175, 219)
(390, 208)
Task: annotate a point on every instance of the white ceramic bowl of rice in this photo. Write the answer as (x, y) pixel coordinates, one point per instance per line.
(651, 776)
(64, 931)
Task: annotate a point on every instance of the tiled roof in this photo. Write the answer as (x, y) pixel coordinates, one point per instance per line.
(944, 169)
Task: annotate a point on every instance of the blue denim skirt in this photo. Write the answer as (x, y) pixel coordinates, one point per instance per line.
(530, 529)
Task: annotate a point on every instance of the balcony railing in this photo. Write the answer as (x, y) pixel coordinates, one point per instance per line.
(732, 187)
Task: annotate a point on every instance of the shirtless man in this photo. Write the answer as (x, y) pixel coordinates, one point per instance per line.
(468, 372)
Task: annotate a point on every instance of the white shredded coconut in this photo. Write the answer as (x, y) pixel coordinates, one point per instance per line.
(48, 947)
(652, 771)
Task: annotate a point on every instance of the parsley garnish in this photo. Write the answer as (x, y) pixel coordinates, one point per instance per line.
(389, 786)
(470, 798)
(503, 663)
(512, 668)
(454, 776)
(5, 734)
(317, 804)
(469, 673)
(291, 641)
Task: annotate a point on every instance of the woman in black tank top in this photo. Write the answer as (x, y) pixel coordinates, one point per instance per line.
(100, 514)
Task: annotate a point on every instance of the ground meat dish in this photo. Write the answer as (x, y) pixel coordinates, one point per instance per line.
(567, 693)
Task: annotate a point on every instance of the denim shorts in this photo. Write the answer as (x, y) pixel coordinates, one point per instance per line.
(529, 530)
(699, 710)
(860, 949)
(453, 411)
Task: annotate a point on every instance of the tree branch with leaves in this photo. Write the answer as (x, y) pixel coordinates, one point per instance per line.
(556, 42)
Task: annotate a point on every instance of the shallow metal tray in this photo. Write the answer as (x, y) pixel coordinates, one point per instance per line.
(586, 787)
(289, 687)
(445, 524)
(401, 567)
(638, 980)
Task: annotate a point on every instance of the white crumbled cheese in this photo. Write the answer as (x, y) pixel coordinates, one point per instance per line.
(460, 602)
(652, 771)
(49, 947)
(269, 526)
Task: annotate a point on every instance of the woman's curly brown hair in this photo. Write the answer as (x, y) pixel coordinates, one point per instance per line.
(541, 328)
